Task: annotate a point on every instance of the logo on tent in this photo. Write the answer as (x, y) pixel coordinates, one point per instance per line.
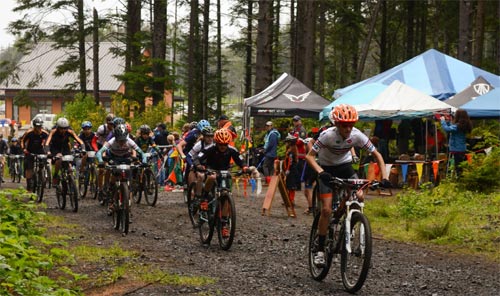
(481, 88)
(297, 99)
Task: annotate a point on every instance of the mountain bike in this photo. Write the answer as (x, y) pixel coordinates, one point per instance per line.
(16, 167)
(87, 179)
(349, 234)
(38, 178)
(47, 172)
(211, 209)
(66, 187)
(119, 195)
(144, 181)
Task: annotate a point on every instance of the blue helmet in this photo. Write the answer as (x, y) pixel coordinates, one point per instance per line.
(86, 124)
(202, 124)
(118, 120)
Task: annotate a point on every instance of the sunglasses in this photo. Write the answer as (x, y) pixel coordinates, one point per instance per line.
(224, 145)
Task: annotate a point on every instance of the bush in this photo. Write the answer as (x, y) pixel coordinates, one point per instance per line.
(483, 173)
(81, 109)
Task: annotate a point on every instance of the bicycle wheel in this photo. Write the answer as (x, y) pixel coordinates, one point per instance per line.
(61, 191)
(83, 183)
(17, 171)
(354, 264)
(136, 185)
(124, 207)
(38, 185)
(193, 205)
(316, 206)
(93, 181)
(150, 187)
(47, 172)
(226, 224)
(117, 218)
(317, 273)
(13, 172)
(207, 223)
(72, 194)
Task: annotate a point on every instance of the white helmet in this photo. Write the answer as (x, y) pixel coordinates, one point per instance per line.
(62, 123)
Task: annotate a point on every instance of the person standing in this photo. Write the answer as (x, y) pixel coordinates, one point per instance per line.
(300, 133)
(458, 128)
(270, 150)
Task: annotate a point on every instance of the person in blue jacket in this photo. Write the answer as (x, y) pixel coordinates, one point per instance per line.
(457, 128)
(270, 150)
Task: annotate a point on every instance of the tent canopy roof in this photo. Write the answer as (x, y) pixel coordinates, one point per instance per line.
(487, 105)
(432, 73)
(285, 97)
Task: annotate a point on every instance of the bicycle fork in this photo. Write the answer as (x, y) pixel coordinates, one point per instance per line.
(348, 227)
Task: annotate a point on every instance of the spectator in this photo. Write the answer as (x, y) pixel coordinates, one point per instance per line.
(404, 132)
(225, 123)
(382, 132)
(160, 134)
(290, 167)
(299, 132)
(270, 150)
(458, 128)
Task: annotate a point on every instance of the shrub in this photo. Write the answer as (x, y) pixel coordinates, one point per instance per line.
(81, 109)
(483, 173)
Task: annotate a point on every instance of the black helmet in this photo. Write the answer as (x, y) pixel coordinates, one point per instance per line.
(207, 131)
(37, 122)
(145, 129)
(118, 120)
(120, 132)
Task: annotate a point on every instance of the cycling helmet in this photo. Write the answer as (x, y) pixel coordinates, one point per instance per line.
(62, 123)
(193, 124)
(37, 122)
(86, 124)
(129, 127)
(202, 124)
(344, 113)
(145, 129)
(208, 131)
(118, 120)
(223, 136)
(291, 139)
(120, 132)
(110, 117)
(13, 140)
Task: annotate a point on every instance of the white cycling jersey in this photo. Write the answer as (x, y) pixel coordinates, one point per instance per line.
(333, 149)
(121, 149)
(198, 147)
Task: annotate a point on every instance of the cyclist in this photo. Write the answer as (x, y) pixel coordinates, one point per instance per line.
(14, 149)
(88, 137)
(104, 130)
(120, 149)
(218, 157)
(144, 141)
(333, 148)
(33, 143)
(187, 143)
(205, 143)
(58, 143)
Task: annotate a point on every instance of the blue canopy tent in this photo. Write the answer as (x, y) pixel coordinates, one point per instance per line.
(484, 106)
(361, 95)
(432, 73)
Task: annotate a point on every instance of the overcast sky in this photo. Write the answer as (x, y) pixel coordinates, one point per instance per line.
(102, 6)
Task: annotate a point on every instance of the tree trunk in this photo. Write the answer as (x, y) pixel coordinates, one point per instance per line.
(248, 47)
(81, 48)
(219, 62)
(477, 55)
(383, 38)
(159, 48)
(95, 50)
(276, 35)
(464, 50)
(299, 40)
(293, 39)
(366, 44)
(321, 58)
(205, 45)
(410, 28)
(264, 56)
(309, 43)
(193, 59)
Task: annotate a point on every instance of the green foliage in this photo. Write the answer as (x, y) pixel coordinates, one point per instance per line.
(483, 173)
(26, 256)
(443, 215)
(83, 108)
(151, 116)
(488, 131)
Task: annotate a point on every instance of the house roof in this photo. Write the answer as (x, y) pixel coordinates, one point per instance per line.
(36, 69)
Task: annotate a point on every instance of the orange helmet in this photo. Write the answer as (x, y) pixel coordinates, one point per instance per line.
(223, 136)
(344, 113)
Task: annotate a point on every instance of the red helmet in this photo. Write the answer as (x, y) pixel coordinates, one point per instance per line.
(223, 136)
(344, 113)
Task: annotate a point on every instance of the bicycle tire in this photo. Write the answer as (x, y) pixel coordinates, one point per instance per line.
(124, 207)
(61, 191)
(226, 201)
(93, 181)
(83, 183)
(48, 175)
(207, 223)
(136, 187)
(116, 208)
(39, 185)
(316, 205)
(150, 187)
(193, 205)
(317, 273)
(72, 194)
(354, 275)
(18, 171)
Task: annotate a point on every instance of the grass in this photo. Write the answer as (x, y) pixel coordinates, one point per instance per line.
(468, 222)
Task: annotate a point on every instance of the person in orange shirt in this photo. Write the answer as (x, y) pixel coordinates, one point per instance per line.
(224, 122)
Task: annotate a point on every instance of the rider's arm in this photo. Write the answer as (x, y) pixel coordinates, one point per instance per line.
(99, 153)
(311, 161)
(49, 139)
(180, 148)
(77, 138)
(381, 163)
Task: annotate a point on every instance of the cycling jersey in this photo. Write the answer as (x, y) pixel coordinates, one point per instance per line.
(120, 149)
(33, 142)
(59, 143)
(334, 150)
(89, 141)
(200, 145)
(190, 140)
(217, 160)
(144, 144)
(102, 134)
